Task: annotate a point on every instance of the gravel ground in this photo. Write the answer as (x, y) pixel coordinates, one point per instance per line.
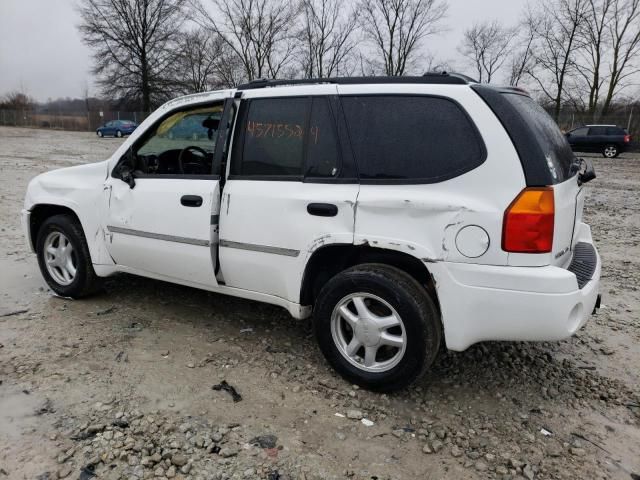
(120, 385)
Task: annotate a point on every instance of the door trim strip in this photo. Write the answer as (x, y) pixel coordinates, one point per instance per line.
(158, 236)
(288, 252)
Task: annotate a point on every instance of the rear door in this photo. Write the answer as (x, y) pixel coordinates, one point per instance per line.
(597, 138)
(288, 191)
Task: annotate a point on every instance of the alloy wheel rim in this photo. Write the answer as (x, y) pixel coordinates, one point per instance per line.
(610, 152)
(60, 258)
(368, 332)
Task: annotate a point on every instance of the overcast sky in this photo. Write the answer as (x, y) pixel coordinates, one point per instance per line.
(41, 51)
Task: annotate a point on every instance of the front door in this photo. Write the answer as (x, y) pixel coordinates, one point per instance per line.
(166, 226)
(289, 190)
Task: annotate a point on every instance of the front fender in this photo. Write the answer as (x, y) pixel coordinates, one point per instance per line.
(80, 189)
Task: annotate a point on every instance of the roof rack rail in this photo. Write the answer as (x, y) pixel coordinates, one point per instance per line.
(429, 77)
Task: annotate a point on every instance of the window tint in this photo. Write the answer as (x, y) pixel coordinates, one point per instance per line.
(555, 147)
(411, 138)
(615, 131)
(598, 131)
(580, 132)
(273, 138)
(322, 145)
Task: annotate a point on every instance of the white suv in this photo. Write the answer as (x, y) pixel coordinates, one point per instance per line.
(400, 212)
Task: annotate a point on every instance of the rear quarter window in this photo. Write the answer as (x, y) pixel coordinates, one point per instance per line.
(411, 139)
(556, 150)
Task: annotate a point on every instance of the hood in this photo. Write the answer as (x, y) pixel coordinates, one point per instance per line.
(64, 183)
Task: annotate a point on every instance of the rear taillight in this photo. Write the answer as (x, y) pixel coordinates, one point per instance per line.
(528, 222)
(627, 138)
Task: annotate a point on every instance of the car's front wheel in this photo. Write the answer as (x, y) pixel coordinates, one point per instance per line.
(377, 326)
(100, 134)
(610, 151)
(63, 257)
(118, 133)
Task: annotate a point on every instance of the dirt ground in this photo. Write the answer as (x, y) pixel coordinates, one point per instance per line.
(120, 385)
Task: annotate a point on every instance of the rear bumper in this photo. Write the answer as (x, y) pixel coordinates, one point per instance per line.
(486, 302)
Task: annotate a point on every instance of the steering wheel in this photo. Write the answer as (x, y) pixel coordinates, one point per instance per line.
(181, 163)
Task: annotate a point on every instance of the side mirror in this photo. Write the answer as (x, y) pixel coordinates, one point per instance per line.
(125, 173)
(587, 173)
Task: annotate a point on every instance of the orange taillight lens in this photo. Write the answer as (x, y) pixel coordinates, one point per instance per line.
(528, 222)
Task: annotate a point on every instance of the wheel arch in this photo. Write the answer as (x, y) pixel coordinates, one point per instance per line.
(329, 260)
(40, 212)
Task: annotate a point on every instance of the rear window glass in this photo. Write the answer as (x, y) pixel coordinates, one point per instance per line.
(556, 148)
(598, 131)
(411, 138)
(615, 131)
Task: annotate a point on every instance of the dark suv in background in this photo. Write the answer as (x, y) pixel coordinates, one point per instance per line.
(610, 140)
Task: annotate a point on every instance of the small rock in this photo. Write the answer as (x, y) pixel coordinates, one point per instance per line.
(159, 472)
(577, 451)
(179, 459)
(354, 414)
(437, 445)
(264, 441)
(456, 451)
(190, 365)
(427, 448)
(527, 471)
(171, 472)
(480, 466)
(227, 452)
(186, 468)
(64, 472)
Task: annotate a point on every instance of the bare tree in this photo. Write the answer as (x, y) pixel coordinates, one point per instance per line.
(194, 66)
(595, 40)
(259, 32)
(327, 39)
(17, 100)
(625, 37)
(522, 58)
(557, 33)
(397, 28)
(133, 43)
(485, 46)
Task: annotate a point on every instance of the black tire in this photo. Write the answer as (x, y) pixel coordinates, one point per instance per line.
(413, 304)
(85, 281)
(118, 133)
(100, 134)
(610, 151)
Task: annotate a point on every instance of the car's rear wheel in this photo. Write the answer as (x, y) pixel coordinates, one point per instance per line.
(64, 259)
(610, 151)
(118, 133)
(377, 326)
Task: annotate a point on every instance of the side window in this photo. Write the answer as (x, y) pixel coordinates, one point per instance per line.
(273, 133)
(323, 154)
(614, 131)
(580, 132)
(411, 138)
(181, 144)
(597, 131)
